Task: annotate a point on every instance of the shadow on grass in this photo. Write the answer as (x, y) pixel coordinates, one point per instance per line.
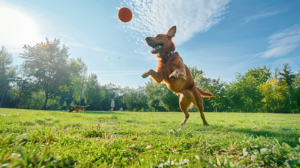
(104, 112)
(289, 137)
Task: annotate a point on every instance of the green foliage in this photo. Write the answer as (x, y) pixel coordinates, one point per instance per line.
(275, 93)
(135, 99)
(46, 65)
(250, 82)
(49, 79)
(94, 93)
(287, 74)
(7, 70)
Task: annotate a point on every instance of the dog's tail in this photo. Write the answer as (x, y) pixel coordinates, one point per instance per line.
(87, 106)
(205, 94)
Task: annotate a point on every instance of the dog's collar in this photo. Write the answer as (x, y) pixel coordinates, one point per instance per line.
(172, 52)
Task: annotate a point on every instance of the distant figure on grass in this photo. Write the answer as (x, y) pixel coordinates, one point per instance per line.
(121, 109)
(77, 108)
(112, 105)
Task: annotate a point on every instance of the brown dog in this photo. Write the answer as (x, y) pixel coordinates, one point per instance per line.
(77, 108)
(175, 74)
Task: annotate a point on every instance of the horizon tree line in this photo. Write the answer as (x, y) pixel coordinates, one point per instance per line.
(49, 79)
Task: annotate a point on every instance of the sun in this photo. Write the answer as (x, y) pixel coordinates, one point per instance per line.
(17, 28)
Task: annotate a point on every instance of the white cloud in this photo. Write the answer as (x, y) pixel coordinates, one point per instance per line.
(284, 42)
(261, 16)
(151, 17)
(251, 57)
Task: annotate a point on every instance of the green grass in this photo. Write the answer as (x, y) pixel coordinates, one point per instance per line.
(34, 138)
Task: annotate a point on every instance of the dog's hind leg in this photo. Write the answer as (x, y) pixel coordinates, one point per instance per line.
(184, 102)
(197, 100)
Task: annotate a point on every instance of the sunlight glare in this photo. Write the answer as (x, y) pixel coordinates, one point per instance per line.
(17, 29)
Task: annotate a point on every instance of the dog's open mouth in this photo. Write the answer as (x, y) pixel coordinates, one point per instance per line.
(157, 47)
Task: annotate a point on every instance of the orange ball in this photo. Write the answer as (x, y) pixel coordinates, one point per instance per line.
(124, 14)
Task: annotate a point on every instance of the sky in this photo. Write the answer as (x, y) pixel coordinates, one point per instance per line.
(220, 37)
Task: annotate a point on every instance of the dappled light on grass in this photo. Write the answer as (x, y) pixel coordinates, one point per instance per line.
(143, 139)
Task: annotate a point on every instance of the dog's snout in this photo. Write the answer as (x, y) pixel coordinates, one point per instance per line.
(147, 38)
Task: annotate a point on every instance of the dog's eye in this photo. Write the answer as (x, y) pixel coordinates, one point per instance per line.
(158, 36)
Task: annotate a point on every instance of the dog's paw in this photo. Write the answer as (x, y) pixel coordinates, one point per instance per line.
(145, 74)
(174, 75)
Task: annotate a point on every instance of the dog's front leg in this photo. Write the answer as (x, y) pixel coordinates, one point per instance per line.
(156, 76)
(178, 73)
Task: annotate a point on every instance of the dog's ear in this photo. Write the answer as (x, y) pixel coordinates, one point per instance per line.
(171, 32)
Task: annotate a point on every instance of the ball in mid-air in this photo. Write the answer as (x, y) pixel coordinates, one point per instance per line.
(124, 14)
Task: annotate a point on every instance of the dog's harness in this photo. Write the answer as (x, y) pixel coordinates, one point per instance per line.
(172, 52)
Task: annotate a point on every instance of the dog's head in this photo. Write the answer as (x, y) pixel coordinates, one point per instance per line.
(162, 44)
(70, 109)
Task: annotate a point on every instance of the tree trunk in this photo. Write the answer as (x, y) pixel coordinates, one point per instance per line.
(46, 94)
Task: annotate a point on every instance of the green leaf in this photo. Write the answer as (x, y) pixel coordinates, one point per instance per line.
(225, 163)
(253, 158)
(22, 151)
(264, 151)
(241, 162)
(18, 163)
(218, 160)
(277, 148)
(285, 145)
(291, 163)
(223, 150)
(245, 153)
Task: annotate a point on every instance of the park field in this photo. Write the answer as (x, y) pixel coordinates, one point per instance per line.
(37, 138)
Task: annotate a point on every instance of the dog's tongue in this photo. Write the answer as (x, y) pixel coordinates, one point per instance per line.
(156, 48)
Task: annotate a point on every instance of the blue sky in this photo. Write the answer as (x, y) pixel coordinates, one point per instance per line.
(221, 37)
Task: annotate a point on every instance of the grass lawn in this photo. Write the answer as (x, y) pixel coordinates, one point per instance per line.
(34, 138)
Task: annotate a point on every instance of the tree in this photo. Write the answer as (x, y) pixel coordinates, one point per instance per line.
(46, 65)
(156, 94)
(94, 93)
(195, 72)
(249, 84)
(169, 99)
(135, 99)
(233, 97)
(74, 89)
(274, 94)
(7, 70)
(296, 87)
(214, 86)
(287, 75)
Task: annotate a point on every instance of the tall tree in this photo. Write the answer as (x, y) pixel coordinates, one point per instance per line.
(289, 77)
(46, 62)
(94, 93)
(287, 74)
(274, 94)
(234, 96)
(155, 95)
(296, 87)
(7, 70)
(135, 99)
(249, 84)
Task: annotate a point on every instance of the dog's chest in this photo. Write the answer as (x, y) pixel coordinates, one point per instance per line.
(167, 70)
